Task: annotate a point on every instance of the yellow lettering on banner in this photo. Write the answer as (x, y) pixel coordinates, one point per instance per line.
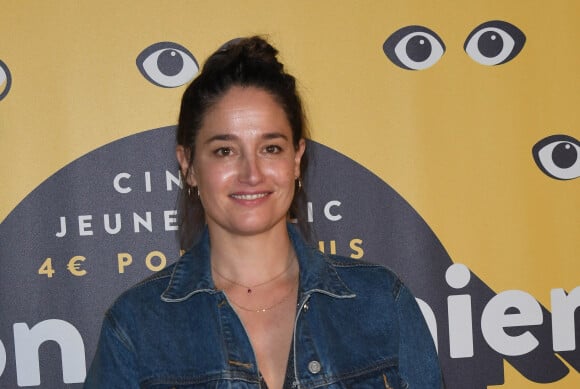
(355, 246)
(162, 262)
(357, 250)
(123, 260)
(332, 246)
(46, 268)
(74, 267)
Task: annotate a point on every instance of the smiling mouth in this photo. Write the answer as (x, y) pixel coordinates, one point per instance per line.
(253, 196)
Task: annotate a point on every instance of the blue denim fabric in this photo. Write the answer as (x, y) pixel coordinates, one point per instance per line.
(357, 326)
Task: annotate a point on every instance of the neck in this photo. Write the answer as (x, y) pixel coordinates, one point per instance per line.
(251, 260)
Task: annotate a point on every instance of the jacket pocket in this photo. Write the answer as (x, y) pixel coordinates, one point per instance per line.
(384, 376)
(392, 380)
(212, 384)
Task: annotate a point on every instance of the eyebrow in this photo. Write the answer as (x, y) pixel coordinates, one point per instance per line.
(229, 137)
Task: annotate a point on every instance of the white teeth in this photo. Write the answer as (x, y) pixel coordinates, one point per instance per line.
(249, 196)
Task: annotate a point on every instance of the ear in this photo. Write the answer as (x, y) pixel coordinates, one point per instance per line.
(298, 157)
(183, 159)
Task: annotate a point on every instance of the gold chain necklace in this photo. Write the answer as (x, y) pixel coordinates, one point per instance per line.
(251, 287)
(261, 310)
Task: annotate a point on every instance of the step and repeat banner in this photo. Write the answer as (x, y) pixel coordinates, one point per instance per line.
(446, 145)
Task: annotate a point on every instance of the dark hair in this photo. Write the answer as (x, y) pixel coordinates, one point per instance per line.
(245, 62)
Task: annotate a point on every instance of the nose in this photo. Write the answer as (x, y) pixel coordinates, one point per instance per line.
(250, 171)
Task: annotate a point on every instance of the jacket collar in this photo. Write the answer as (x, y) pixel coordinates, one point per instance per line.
(192, 272)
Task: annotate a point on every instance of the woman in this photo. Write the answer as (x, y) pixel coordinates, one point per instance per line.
(251, 305)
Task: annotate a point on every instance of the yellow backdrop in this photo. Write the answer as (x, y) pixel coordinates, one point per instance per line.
(455, 139)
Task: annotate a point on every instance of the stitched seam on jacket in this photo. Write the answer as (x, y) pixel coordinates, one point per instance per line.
(119, 333)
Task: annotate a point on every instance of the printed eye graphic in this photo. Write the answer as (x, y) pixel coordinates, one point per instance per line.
(414, 48)
(558, 156)
(167, 64)
(5, 80)
(494, 43)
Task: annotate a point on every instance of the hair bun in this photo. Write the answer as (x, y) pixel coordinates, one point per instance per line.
(259, 49)
(254, 51)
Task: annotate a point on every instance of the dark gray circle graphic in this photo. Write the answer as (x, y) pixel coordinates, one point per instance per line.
(107, 220)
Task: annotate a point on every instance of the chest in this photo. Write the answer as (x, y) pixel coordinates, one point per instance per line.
(332, 348)
(270, 334)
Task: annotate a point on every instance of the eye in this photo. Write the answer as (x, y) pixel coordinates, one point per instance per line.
(558, 156)
(167, 64)
(5, 80)
(223, 151)
(494, 43)
(273, 149)
(414, 48)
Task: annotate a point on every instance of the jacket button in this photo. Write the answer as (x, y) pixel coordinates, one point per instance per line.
(314, 367)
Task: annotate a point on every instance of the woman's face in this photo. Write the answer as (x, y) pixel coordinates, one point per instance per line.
(245, 163)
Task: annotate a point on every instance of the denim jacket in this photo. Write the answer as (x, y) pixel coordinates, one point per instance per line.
(356, 326)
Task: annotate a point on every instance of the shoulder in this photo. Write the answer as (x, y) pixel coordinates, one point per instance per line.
(360, 274)
(358, 266)
(147, 290)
